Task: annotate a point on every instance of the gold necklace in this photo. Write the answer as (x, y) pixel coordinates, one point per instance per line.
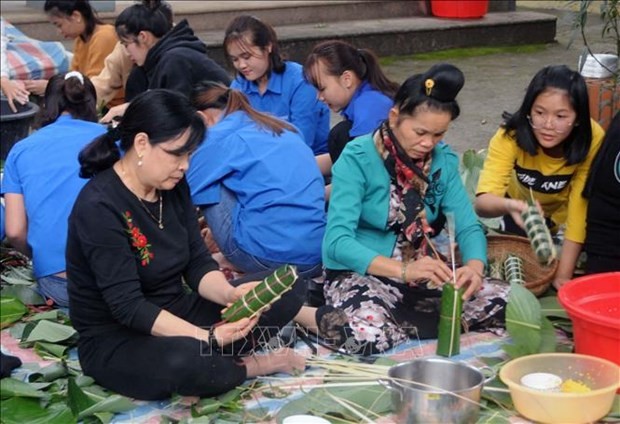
(160, 220)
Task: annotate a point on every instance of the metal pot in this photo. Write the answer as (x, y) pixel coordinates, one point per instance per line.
(435, 390)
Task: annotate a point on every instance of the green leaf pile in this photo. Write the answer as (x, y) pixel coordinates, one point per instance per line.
(11, 310)
(530, 331)
(371, 401)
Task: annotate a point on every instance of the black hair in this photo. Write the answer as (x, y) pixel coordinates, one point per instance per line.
(68, 95)
(436, 89)
(612, 139)
(175, 114)
(64, 8)
(259, 34)
(339, 56)
(154, 16)
(577, 144)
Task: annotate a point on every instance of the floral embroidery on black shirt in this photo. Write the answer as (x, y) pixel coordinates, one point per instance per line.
(138, 240)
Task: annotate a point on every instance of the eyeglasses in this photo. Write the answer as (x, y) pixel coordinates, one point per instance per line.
(559, 125)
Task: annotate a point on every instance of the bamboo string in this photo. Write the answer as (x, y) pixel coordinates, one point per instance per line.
(452, 236)
(344, 404)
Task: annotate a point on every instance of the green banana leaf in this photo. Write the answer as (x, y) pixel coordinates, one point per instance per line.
(51, 332)
(529, 330)
(21, 275)
(112, 404)
(551, 307)
(372, 401)
(523, 318)
(26, 294)
(49, 373)
(20, 410)
(52, 315)
(11, 387)
(17, 330)
(77, 400)
(11, 310)
(470, 167)
(44, 350)
(98, 418)
(548, 341)
(83, 405)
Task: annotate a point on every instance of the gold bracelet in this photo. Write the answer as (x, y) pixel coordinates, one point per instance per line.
(403, 272)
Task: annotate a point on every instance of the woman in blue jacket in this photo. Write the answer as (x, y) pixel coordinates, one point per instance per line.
(258, 185)
(383, 278)
(350, 82)
(272, 84)
(41, 180)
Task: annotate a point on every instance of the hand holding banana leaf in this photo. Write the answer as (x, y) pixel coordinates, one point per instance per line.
(228, 332)
(515, 208)
(239, 291)
(469, 277)
(427, 268)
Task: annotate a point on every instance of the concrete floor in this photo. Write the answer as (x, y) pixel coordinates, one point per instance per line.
(497, 82)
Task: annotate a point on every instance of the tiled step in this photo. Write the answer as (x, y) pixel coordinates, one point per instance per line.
(386, 27)
(409, 35)
(215, 15)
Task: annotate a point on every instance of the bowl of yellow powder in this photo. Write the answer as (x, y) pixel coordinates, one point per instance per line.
(561, 387)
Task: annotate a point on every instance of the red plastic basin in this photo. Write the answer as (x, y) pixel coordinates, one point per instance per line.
(460, 9)
(593, 304)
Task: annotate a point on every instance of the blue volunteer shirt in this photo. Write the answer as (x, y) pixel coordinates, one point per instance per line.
(44, 168)
(366, 110)
(280, 211)
(291, 98)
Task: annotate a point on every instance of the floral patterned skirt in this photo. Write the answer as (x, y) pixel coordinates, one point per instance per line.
(383, 313)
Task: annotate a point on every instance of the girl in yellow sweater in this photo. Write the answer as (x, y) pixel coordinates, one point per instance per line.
(94, 40)
(547, 146)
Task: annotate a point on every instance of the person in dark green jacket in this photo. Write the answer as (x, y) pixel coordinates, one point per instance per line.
(384, 277)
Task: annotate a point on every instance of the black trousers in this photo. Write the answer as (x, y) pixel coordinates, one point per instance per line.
(338, 138)
(147, 367)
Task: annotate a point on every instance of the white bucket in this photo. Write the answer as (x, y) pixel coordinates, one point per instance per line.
(598, 65)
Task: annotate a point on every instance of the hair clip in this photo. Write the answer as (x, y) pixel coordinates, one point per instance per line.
(429, 84)
(76, 74)
(113, 131)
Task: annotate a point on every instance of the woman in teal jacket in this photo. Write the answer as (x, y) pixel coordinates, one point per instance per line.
(384, 278)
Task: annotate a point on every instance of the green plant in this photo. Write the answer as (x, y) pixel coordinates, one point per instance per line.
(610, 16)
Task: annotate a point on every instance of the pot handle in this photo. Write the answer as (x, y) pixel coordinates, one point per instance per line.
(488, 372)
(387, 383)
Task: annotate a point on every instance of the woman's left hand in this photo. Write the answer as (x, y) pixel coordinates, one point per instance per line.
(469, 276)
(239, 291)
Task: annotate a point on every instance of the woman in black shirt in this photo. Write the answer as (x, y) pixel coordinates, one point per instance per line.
(133, 247)
(603, 191)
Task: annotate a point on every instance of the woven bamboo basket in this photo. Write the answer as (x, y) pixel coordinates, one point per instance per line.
(538, 277)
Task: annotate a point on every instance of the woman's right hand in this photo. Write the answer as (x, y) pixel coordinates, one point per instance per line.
(116, 111)
(231, 331)
(515, 208)
(428, 268)
(36, 87)
(15, 91)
